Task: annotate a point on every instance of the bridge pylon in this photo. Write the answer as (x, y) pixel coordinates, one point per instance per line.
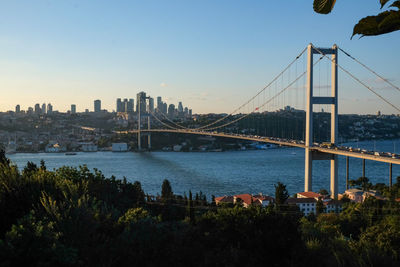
(312, 100)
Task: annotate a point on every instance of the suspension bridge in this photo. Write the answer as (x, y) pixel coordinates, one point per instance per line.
(302, 85)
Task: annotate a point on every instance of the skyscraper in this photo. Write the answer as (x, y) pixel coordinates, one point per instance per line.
(180, 107)
(49, 108)
(130, 105)
(159, 103)
(151, 105)
(119, 105)
(97, 105)
(73, 109)
(141, 100)
(43, 108)
(164, 108)
(17, 109)
(37, 109)
(171, 111)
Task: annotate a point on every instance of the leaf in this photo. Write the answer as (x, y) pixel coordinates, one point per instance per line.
(323, 6)
(383, 2)
(396, 4)
(384, 22)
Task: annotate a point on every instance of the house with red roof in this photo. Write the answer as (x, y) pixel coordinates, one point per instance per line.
(309, 194)
(224, 199)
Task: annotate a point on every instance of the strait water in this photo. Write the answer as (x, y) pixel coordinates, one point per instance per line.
(220, 173)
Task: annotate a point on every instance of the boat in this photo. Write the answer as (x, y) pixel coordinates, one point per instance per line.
(70, 153)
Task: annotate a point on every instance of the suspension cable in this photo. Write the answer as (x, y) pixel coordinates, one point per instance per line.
(240, 107)
(163, 123)
(365, 66)
(358, 80)
(268, 85)
(171, 121)
(268, 101)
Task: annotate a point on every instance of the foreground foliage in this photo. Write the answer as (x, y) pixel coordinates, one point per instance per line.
(385, 22)
(76, 217)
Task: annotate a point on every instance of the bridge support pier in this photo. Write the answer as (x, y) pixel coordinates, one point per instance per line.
(149, 135)
(139, 126)
(390, 175)
(363, 168)
(347, 172)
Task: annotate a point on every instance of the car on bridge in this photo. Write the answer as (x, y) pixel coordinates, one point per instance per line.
(327, 145)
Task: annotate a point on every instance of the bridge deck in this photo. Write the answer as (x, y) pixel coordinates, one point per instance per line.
(277, 141)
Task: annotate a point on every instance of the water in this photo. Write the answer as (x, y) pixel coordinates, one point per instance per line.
(220, 173)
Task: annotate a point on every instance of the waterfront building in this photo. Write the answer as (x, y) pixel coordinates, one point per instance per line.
(73, 109)
(97, 105)
(306, 205)
(88, 147)
(119, 147)
(17, 109)
(309, 194)
(224, 200)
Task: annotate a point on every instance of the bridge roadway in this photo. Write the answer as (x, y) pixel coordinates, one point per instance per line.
(282, 142)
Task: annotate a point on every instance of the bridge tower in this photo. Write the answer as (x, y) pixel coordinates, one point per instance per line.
(332, 100)
(139, 126)
(139, 111)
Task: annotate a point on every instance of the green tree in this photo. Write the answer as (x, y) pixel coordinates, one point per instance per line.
(384, 22)
(323, 192)
(166, 190)
(319, 207)
(281, 193)
(190, 209)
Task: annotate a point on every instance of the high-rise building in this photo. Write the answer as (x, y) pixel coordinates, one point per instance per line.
(180, 107)
(165, 108)
(151, 105)
(190, 113)
(73, 109)
(130, 105)
(141, 100)
(119, 105)
(159, 103)
(30, 110)
(97, 105)
(17, 109)
(186, 111)
(171, 111)
(37, 109)
(43, 108)
(49, 108)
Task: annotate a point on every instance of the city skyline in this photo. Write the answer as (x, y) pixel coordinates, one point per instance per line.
(186, 52)
(121, 105)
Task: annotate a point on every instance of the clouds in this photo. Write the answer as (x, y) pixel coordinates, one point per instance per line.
(163, 84)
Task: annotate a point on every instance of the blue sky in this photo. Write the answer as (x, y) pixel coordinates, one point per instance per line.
(212, 55)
